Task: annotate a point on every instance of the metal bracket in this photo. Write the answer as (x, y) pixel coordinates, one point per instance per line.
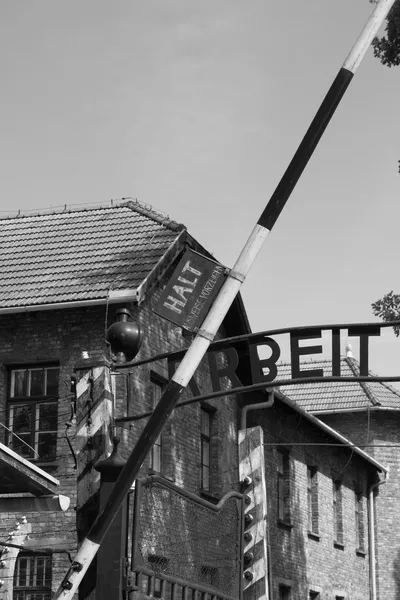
(75, 567)
(236, 275)
(208, 336)
(128, 578)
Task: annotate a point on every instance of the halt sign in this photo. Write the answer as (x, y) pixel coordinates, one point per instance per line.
(191, 290)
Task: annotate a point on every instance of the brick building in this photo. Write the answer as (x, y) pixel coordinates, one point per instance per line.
(64, 276)
(369, 415)
(317, 487)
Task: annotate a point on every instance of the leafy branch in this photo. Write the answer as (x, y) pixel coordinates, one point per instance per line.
(387, 48)
(388, 309)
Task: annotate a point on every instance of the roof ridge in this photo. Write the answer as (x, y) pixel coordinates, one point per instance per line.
(55, 210)
(133, 203)
(148, 211)
(355, 368)
(282, 363)
(353, 362)
(383, 383)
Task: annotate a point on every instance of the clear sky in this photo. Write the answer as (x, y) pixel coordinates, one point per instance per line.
(196, 107)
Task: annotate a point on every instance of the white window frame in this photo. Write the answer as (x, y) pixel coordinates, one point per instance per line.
(31, 589)
(36, 401)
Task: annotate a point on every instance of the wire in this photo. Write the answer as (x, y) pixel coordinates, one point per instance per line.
(327, 444)
(20, 439)
(36, 550)
(337, 477)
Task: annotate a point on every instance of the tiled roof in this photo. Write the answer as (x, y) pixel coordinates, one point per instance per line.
(339, 396)
(78, 255)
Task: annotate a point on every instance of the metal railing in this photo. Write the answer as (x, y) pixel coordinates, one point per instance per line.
(168, 587)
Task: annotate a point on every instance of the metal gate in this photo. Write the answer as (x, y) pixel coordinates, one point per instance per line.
(182, 545)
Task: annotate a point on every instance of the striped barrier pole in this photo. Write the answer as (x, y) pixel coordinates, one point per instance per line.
(223, 301)
(255, 543)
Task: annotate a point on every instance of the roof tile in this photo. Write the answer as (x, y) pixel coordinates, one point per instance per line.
(80, 254)
(331, 396)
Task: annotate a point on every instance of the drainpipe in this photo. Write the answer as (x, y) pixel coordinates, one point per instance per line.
(372, 567)
(258, 406)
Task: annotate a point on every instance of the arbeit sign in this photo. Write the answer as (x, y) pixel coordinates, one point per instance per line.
(232, 358)
(304, 342)
(191, 290)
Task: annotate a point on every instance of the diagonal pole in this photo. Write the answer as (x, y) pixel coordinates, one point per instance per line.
(223, 301)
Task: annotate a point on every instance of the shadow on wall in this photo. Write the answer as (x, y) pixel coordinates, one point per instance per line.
(288, 559)
(396, 573)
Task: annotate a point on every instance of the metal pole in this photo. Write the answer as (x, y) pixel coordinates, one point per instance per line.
(227, 294)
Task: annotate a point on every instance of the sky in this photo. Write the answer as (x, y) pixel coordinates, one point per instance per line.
(196, 108)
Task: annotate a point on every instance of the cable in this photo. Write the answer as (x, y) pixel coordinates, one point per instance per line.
(37, 550)
(337, 477)
(20, 439)
(327, 444)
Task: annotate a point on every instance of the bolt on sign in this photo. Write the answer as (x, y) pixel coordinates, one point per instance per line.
(191, 291)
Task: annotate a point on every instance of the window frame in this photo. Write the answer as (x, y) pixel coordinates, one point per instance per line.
(283, 485)
(337, 499)
(284, 592)
(312, 500)
(158, 384)
(205, 448)
(359, 521)
(20, 592)
(33, 403)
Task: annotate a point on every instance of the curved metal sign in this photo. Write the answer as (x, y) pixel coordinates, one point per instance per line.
(237, 359)
(241, 352)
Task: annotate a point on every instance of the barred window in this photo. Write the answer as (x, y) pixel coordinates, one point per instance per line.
(32, 577)
(32, 411)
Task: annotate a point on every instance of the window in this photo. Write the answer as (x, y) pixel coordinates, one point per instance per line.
(312, 500)
(205, 448)
(32, 577)
(337, 513)
(314, 596)
(283, 491)
(284, 592)
(32, 411)
(359, 514)
(156, 451)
